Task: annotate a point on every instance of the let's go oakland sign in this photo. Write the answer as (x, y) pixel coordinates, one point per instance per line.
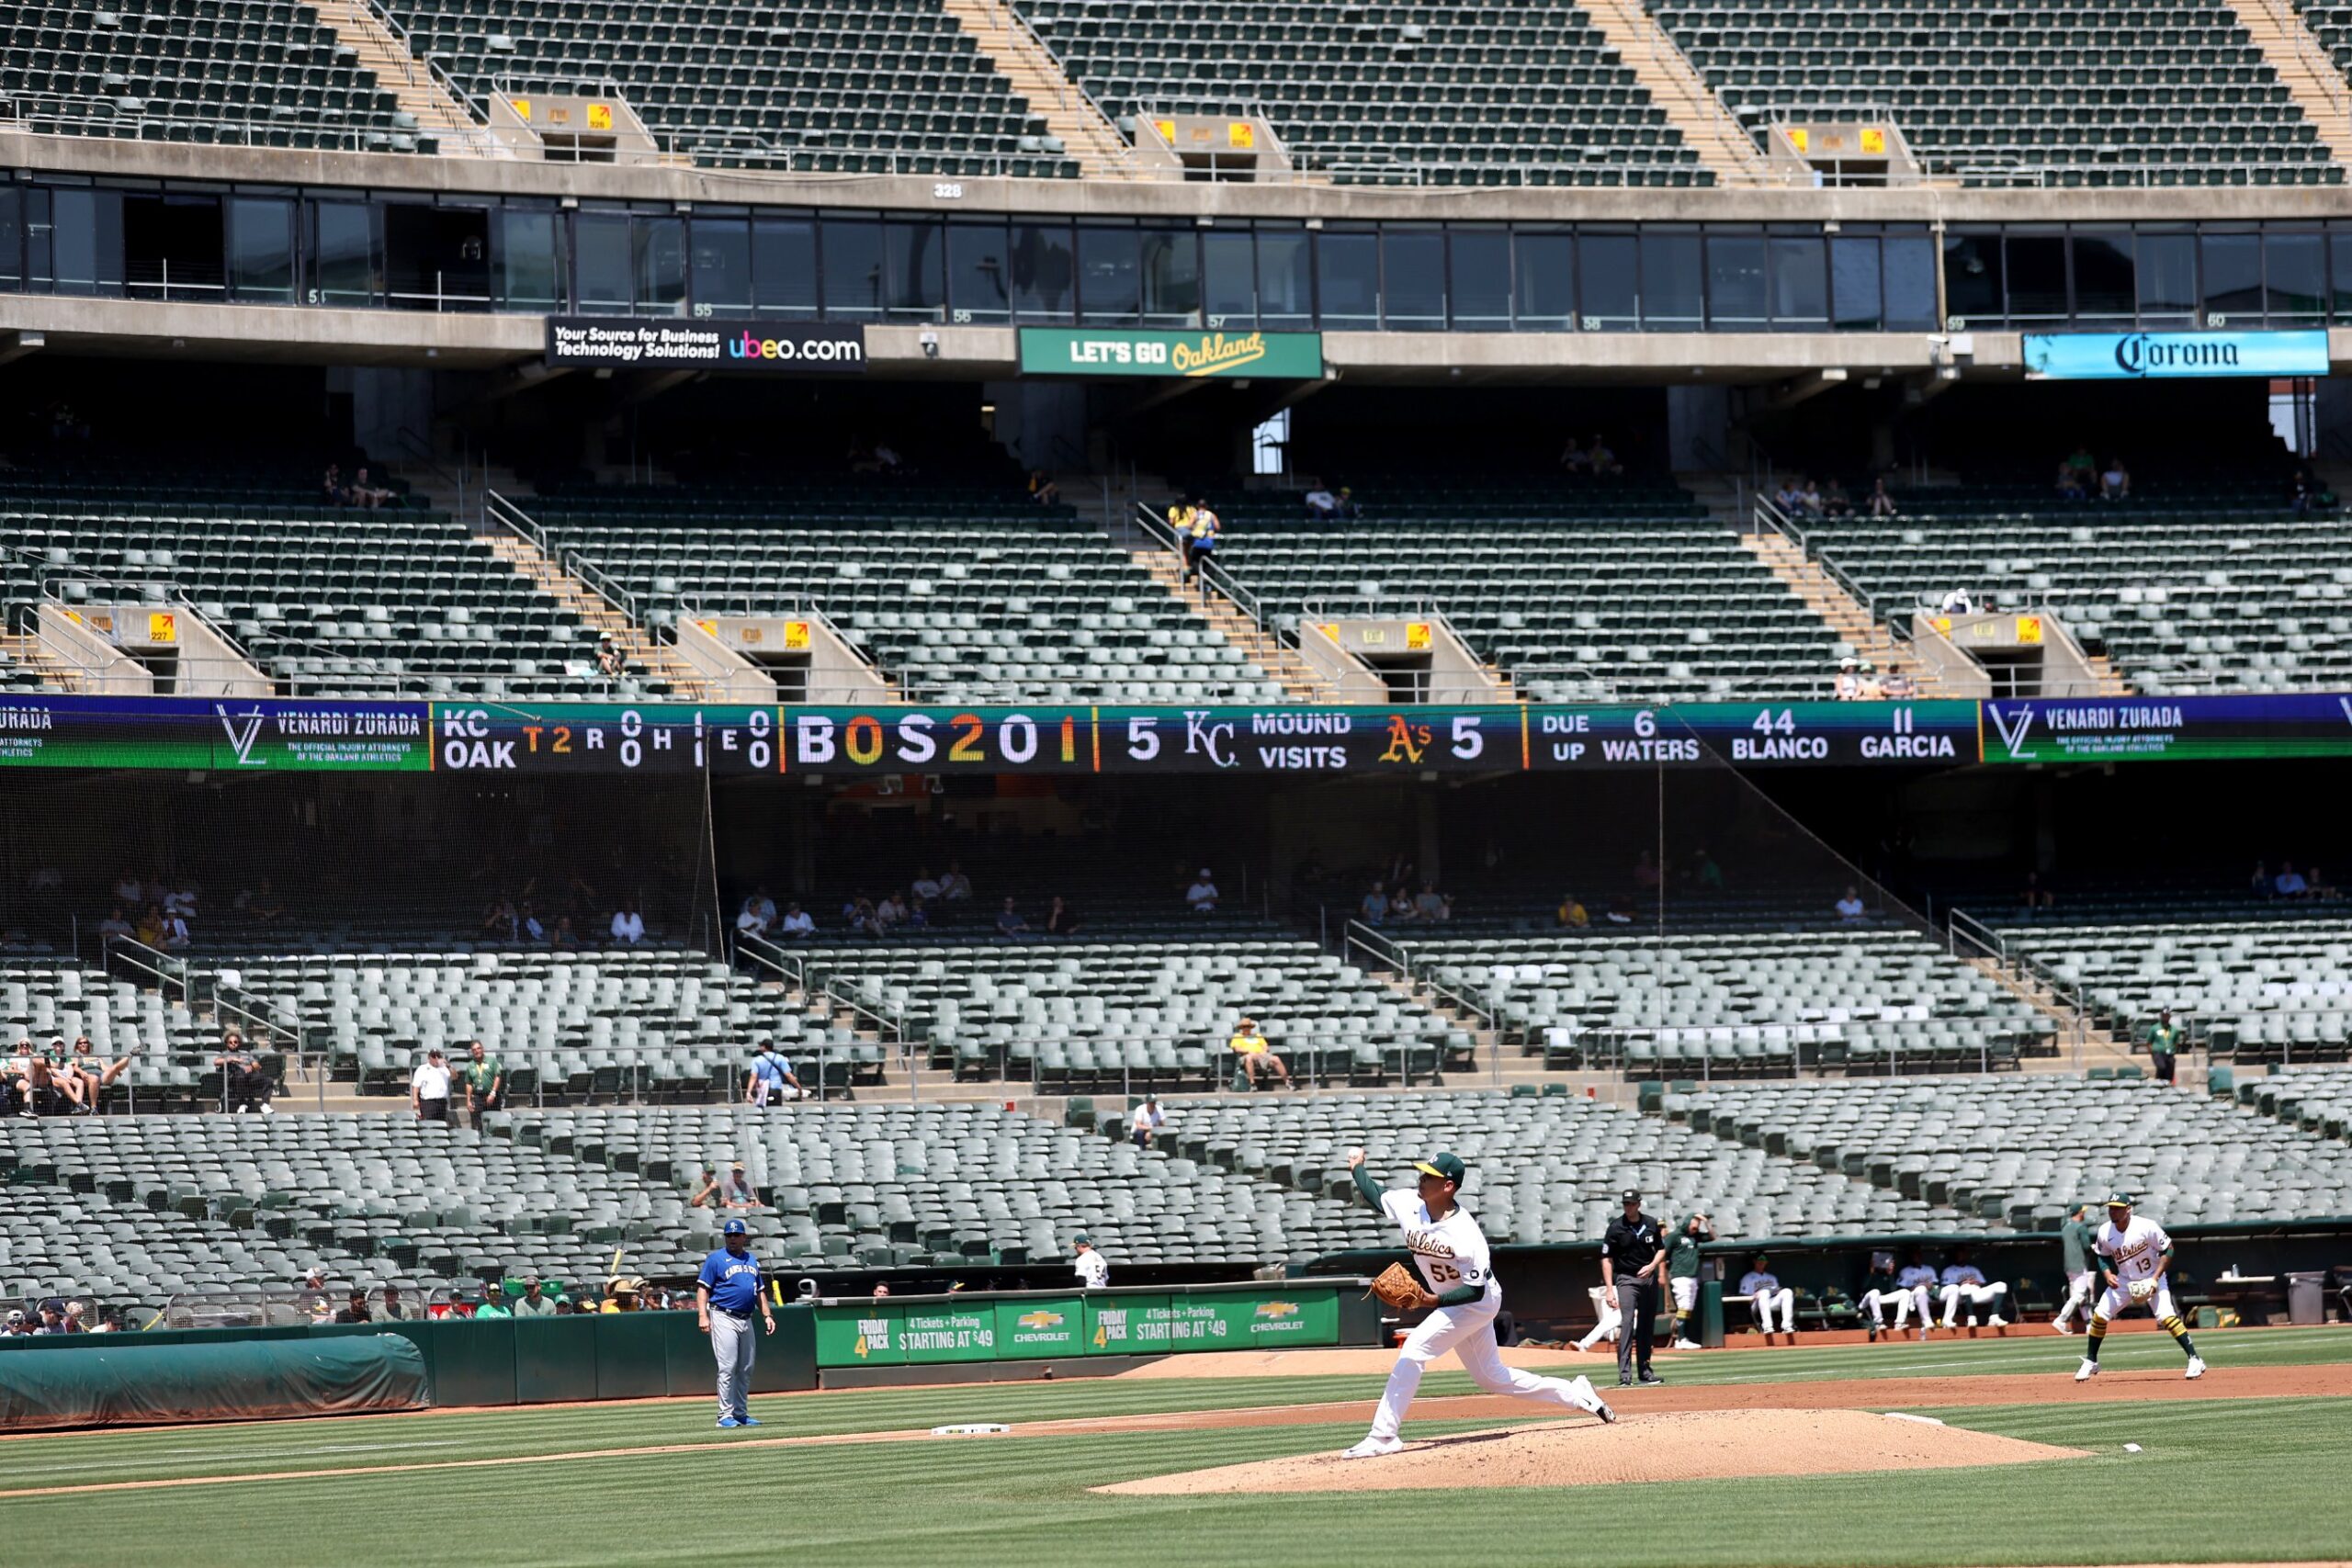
(1282, 356)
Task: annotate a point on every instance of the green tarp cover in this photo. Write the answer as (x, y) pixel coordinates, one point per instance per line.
(115, 1381)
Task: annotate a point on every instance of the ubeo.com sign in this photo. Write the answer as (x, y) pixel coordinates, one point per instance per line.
(670, 343)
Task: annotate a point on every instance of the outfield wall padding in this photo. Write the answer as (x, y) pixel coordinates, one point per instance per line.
(116, 1381)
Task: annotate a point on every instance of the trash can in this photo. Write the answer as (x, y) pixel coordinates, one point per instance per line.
(1711, 1313)
(2305, 1306)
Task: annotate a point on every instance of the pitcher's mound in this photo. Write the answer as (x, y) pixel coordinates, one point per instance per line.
(1692, 1446)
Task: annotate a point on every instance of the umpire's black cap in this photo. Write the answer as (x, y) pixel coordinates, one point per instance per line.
(1631, 1195)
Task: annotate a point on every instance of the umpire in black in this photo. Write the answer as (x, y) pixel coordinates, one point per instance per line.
(1633, 1267)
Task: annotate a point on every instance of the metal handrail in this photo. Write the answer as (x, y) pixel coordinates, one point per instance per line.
(50, 114)
(1212, 571)
(1068, 93)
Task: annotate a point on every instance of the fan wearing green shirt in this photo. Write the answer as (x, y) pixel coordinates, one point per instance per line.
(2163, 1040)
(1682, 1274)
(485, 1084)
(493, 1303)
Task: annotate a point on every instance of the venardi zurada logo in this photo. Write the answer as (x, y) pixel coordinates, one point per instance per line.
(243, 729)
(2013, 727)
(2142, 353)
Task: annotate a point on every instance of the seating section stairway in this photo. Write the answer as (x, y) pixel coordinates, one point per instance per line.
(2207, 587)
(1990, 92)
(2017, 1153)
(961, 592)
(226, 73)
(1477, 93)
(1575, 592)
(327, 601)
(855, 86)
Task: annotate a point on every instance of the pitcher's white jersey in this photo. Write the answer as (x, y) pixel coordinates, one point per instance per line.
(1450, 1253)
(2134, 1251)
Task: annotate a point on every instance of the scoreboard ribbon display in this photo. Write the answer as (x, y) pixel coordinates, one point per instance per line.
(286, 735)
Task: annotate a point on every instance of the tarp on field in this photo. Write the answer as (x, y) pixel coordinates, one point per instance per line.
(114, 1380)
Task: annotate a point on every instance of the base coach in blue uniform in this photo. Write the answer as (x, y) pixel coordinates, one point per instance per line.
(726, 1295)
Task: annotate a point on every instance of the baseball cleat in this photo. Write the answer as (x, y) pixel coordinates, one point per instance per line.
(2196, 1366)
(727, 1423)
(1651, 1379)
(2062, 1328)
(1607, 1417)
(1373, 1447)
(2088, 1371)
(1997, 1321)
(1688, 1345)
(747, 1420)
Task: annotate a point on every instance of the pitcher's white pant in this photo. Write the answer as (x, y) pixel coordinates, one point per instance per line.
(1785, 1299)
(1606, 1322)
(1875, 1303)
(733, 1344)
(2078, 1296)
(1975, 1295)
(1469, 1333)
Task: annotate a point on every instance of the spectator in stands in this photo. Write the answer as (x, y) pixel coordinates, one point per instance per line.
(1146, 1120)
(57, 1072)
(392, 1309)
(366, 492)
(1899, 687)
(1255, 1057)
(355, 1310)
(428, 1088)
(954, 887)
(564, 935)
(1705, 874)
(1208, 528)
(926, 886)
(531, 928)
(1881, 503)
(337, 493)
(795, 922)
(113, 925)
(1835, 502)
(1572, 458)
(181, 899)
(493, 1301)
(760, 904)
(748, 922)
(1809, 502)
(96, 1073)
(1600, 461)
(2115, 481)
(244, 1084)
(2311, 494)
(1621, 910)
(2261, 884)
(2320, 889)
(1201, 896)
(1400, 906)
(1322, 503)
(500, 922)
(1850, 907)
(1786, 497)
(55, 1320)
(2290, 883)
(1962, 1281)
(1060, 918)
(629, 926)
(1042, 487)
(890, 914)
(1432, 907)
(1767, 1296)
(2163, 1041)
(485, 1079)
(1009, 921)
(14, 1325)
(1374, 910)
(708, 1195)
(2036, 897)
(771, 1077)
(175, 936)
(128, 889)
(738, 1192)
(610, 661)
(1571, 913)
(534, 1302)
(2072, 483)
(2084, 465)
(858, 915)
(1849, 685)
(918, 916)
(261, 905)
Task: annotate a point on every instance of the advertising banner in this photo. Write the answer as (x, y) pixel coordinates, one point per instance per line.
(950, 1332)
(1100, 351)
(2102, 729)
(671, 342)
(861, 1334)
(232, 734)
(2109, 357)
(1029, 1329)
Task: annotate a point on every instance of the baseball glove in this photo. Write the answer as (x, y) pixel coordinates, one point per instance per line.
(2141, 1288)
(1399, 1287)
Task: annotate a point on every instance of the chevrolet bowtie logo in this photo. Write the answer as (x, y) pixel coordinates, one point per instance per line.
(1041, 1318)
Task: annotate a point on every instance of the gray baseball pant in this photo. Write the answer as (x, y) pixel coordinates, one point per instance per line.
(733, 1343)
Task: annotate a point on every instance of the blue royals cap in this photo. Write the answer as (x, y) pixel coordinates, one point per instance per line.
(735, 1227)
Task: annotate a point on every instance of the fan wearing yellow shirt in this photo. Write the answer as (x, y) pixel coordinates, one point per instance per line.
(1256, 1056)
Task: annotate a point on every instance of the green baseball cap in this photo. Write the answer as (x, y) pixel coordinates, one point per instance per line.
(1444, 1167)
(2118, 1198)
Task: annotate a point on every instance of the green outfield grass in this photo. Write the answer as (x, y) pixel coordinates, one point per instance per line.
(2266, 1480)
